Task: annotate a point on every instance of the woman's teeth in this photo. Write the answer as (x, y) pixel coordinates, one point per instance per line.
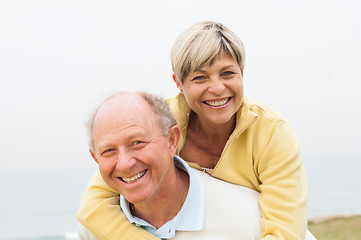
(217, 103)
(134, 178)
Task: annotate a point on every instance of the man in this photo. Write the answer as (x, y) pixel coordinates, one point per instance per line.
(134, 138)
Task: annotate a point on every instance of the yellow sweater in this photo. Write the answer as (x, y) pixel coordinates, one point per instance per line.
(262, 154)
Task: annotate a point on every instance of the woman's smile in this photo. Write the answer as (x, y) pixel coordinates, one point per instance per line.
(218, 103)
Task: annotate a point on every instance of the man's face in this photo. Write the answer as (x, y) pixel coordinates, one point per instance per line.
(133, 155)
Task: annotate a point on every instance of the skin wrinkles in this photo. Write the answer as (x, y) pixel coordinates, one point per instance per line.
(103, 144)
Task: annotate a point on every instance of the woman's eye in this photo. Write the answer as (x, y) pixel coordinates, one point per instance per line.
(228, 73)
(198, 78)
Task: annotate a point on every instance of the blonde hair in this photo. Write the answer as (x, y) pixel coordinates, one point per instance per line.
(200, 43)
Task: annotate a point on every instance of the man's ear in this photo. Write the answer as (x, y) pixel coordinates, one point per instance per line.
(93, 155)
(173, 137)
(179, 86)
(242, 70)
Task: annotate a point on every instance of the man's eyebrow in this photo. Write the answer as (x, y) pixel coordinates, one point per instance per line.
(103, 145)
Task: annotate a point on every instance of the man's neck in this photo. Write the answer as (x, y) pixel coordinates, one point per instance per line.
(167, 203)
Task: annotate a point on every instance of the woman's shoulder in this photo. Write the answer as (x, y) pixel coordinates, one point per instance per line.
(180, 109)
(268, 121)
(262, 109)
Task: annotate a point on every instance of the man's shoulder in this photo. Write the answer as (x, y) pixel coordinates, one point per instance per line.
(221, 188)
(232, 211)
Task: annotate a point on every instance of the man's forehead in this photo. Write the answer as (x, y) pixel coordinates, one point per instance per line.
(122, 122)
(107, 131)
(125, 131)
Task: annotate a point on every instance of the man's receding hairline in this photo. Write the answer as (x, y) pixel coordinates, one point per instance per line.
(118, 97)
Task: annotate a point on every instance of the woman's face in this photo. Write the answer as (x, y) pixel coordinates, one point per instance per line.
(215, 91)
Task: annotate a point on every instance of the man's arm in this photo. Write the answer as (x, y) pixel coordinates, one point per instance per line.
(100, 213)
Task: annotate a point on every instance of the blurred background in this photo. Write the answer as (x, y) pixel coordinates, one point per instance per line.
(59, 58)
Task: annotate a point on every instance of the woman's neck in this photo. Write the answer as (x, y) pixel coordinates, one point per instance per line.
(166, 202)
(212, 131)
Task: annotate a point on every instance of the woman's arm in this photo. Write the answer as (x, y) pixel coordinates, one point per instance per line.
(283, 186)
(100, 213)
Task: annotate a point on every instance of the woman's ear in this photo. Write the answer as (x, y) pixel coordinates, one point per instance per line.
(179, 86)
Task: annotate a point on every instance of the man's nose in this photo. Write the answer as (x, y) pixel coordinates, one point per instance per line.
(125, 161)
(216, 86)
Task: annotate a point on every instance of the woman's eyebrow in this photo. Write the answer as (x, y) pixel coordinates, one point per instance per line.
(229, 66)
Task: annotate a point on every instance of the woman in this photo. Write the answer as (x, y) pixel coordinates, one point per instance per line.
(233, 138)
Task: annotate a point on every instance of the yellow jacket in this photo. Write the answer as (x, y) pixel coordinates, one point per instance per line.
(262, 154)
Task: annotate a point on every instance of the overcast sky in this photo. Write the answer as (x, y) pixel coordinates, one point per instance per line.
(58, 59)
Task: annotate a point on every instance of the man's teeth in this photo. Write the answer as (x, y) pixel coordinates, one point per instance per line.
(217, 103)
(134, 178)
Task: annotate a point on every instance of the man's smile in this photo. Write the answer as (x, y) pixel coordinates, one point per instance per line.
(133, 178)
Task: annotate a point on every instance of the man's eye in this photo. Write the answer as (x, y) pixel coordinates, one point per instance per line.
(138, 143)
(107, 151)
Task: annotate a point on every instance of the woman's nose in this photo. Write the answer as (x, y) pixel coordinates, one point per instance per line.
(216, 86)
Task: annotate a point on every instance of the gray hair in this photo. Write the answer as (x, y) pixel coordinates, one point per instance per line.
(199, 45)
(157, 104)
